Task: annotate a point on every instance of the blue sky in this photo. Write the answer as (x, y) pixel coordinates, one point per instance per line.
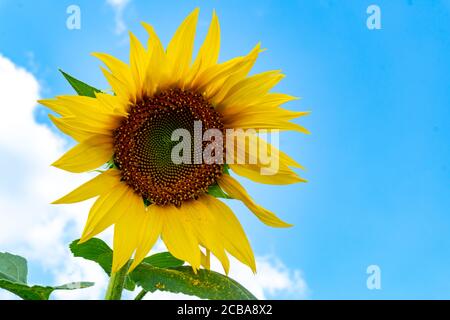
(378, 157)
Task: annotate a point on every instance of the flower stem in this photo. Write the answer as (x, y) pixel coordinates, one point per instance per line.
(140, 295)
(116, 283)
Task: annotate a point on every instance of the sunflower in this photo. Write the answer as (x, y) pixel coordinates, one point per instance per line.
(140, 191)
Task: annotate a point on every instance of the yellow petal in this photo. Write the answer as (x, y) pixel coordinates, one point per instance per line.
(207, 229)
(254, 173)
(206, 260)
(90, 127)
(108, 209)
(218, 91)
(287, 160)
(87, 155)
(209, 51)
(179, 237)
(212, 80)
(274, 100)
(121, 88)
(138, 62)
(179, 50)
(101, 184)
(261, 113)
(149, 233)
(121, 72)
(277, 119)
(81, 128)
(126, 232)
(214, 75)
(76, 133)
(157, 71)
(112, 104)
(251, 89)
(235, 240)
(234, 189)
(254, 147)
(88, 109)
(56, 106)
(256, 159)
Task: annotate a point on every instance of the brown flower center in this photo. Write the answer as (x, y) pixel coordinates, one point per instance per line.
(143, 147)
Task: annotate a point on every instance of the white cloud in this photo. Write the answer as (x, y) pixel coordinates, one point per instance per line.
(31, 227)
(119, 7)
(274, 280)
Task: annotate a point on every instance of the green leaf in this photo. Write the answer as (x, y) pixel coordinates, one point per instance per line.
(95, 250)
(80, 87)
(24, 291)
(162, 271)
(13, 268)
(205, 284)
(13, 278)
(98, 251)
(27, 292)
(216, 191)
(74, 285)
(129, 284)
(163, 260)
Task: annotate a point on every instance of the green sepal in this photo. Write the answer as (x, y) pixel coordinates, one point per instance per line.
(83, 89)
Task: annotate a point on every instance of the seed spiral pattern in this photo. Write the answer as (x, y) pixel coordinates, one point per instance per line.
(143, 147)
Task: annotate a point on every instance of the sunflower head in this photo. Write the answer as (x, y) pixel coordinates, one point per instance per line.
(143, 192)
(143, 147)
